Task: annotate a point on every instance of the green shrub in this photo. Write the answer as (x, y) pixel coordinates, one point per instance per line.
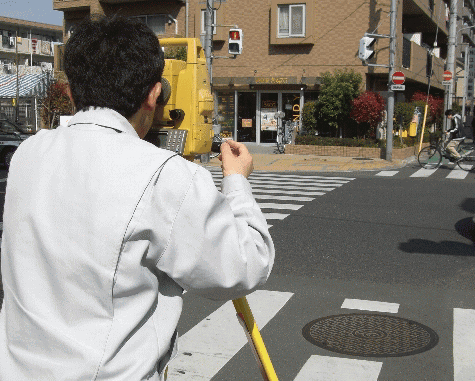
(309, 120)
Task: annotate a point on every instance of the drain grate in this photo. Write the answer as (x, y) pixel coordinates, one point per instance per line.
(370, 335)
(361, 158)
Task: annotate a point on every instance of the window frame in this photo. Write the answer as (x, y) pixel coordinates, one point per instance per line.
(162, 15)
(202, 28)
(290, 7)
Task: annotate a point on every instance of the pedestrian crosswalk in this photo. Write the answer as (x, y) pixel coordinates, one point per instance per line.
(446, 171)
(279, 194)
(213, 343)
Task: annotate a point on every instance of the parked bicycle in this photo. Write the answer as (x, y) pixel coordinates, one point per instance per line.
(284, 135)
(430, 157)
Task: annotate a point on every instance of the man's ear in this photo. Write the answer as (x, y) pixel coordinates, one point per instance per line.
(151, 100)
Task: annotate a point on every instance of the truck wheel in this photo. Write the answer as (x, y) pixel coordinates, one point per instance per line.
(8, 158)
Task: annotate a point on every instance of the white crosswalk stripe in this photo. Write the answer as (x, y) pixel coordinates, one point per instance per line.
(208, 346)
(455, 173)
(292, 189)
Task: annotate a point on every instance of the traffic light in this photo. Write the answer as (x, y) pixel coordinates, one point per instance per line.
(366, 51)
(235, 41)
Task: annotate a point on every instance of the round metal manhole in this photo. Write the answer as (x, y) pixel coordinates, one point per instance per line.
(370, 335)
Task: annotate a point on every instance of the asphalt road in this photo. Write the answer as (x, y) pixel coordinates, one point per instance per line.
(400, 242)
(403, 241)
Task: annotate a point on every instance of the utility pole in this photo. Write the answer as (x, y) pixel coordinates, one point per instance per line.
(17, 110)
(392, 59)
(208, 43)
(450, 58)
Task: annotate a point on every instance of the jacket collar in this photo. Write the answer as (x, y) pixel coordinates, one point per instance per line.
(102, 117)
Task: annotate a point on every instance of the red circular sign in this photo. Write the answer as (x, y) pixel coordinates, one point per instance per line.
(398, 78)
(447, 75)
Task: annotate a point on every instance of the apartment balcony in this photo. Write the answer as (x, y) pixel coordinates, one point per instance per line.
(60, 5)
(417, 64)
(129, 1)
(27, 46)
(426, 17)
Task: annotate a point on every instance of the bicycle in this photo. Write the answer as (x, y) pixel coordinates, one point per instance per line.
(430, 157)
(284, 135)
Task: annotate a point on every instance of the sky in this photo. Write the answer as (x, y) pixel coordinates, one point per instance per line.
(31, 10)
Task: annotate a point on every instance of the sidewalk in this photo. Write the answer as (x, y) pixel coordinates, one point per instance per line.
(266, 160)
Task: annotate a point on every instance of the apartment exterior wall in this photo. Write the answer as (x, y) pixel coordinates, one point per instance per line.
(34, 46)
(292, 66)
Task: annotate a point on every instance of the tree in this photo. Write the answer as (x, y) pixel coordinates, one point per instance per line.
(335, 99)
(309, 121)
(367, 109)
(55, 103)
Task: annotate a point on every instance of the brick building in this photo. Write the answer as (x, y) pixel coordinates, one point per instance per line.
(287, 46)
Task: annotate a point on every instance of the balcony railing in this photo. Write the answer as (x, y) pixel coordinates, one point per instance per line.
(27, 46)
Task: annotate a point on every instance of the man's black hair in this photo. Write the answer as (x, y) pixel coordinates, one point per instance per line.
(113, 63)
(449, 112)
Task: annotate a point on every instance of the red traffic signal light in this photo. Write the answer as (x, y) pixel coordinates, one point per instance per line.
(235, 35)
(235, 41)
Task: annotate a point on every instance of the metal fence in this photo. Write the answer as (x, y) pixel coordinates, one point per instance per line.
(28, 113)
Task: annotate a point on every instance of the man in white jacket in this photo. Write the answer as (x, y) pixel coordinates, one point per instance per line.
(103, 231)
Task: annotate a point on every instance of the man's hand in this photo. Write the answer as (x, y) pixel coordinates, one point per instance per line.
(235, 159)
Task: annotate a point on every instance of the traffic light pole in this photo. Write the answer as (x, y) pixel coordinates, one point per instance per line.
(450, 58)
(392, 58)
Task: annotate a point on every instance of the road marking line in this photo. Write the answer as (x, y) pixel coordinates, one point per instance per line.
(346, 179)
(387, 173)
(291, 187)
(457, 173)
(370, 305)
(285, 191)
(274, 216)
(464, 344)
(325, 368)
(209, 345)
(283, 198)
(300, 184)
(467, 166)
(264, 205)
(423, 172)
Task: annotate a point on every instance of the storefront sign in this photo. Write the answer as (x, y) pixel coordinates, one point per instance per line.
(272, 81)
(247, 123)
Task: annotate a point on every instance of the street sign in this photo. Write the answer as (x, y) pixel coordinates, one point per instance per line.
(398, 78)
(446, 83)
(447, 76)
(398, 87)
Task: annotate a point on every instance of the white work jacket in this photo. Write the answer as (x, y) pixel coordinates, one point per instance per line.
(102, 233)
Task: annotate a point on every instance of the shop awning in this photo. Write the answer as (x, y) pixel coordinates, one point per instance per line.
(29, 85)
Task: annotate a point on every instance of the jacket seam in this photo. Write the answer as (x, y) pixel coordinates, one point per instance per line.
(175, 218)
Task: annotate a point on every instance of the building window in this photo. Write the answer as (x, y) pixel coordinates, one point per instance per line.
(406, 53)
(291, 20)
(155, 22)
(203, 19)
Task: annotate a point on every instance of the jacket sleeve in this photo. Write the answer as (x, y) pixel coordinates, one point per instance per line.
(219, 245)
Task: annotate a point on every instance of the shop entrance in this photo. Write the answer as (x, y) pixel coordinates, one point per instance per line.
(256, 121)
(246, 120)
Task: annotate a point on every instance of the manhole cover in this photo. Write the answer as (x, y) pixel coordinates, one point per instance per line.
(370, 335)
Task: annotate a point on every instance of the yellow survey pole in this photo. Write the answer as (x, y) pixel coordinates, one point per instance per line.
(255, 340)
(423, 127)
